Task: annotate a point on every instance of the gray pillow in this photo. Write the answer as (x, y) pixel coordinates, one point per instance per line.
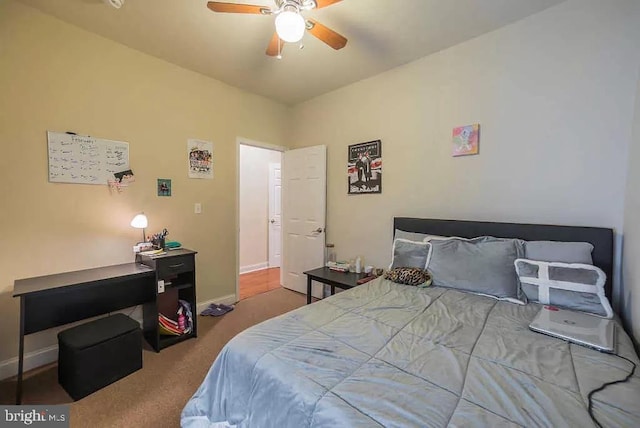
(411, 236)
(406, 253)
(481, 265)
(565, 252)
(440, 237)
(573, 286)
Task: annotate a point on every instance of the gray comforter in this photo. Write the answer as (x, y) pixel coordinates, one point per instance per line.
(384, 354)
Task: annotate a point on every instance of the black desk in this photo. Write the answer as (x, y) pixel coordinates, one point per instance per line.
(333, 278)
(53, 300)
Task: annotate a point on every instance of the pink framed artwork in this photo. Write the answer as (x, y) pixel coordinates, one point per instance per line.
(466, 140)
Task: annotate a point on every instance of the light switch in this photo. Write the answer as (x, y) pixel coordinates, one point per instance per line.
(197, 208)
(161, 286)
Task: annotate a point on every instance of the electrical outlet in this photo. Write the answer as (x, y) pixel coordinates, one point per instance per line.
(197, 208)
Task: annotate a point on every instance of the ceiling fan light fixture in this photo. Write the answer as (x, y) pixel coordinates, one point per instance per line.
(290, 26)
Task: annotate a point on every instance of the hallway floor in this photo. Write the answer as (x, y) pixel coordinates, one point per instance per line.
(258, 282)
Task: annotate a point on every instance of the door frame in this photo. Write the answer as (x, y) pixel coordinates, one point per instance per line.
(246, 142)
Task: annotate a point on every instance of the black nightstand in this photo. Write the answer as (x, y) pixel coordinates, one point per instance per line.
(344, 280)
(176, 270)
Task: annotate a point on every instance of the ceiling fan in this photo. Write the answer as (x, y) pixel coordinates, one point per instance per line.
(290, 24)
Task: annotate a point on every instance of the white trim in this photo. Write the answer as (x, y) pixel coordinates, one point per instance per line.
(43, 356)
(229, 299)
(543, 285)
(236, 265)
(254, 143)
(253, 268)
(447, 238)
(32, 360)
(562, 285)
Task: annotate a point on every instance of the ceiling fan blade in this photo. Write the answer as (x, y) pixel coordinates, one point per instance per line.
(275, 49)
(326, 34)
(325, 3)
(217, 6)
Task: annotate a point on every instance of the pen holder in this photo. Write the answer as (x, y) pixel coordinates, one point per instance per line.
(159, 243)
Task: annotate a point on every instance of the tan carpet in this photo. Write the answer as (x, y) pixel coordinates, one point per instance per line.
(155, 395)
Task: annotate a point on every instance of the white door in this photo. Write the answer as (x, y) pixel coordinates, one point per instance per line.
(304, 183)
(275, 214)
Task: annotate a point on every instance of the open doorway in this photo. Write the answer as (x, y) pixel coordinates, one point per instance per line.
(260, 207)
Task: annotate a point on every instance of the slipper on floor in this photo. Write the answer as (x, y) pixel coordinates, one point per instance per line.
(216, 310)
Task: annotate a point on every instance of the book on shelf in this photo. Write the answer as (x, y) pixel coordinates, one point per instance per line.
(168, 326)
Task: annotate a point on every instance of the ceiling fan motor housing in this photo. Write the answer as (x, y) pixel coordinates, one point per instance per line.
(295, 5)
(114, 3)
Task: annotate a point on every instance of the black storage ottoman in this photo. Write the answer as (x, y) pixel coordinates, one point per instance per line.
(98, 353)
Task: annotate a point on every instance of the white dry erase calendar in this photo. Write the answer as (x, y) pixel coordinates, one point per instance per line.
(85, 160)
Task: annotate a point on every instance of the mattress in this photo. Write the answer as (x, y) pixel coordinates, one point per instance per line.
(384, 354)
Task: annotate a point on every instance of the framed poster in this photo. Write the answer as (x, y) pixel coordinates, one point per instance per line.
(200, 154)
(364, 168)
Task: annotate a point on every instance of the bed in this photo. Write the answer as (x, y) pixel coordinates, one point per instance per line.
(386, 354)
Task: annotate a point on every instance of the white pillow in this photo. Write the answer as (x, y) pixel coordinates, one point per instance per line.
(411, 236)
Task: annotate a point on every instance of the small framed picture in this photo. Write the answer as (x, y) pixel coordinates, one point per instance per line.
(466, 140)
(164, 187)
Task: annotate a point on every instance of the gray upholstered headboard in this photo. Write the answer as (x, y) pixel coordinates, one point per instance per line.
(600, 238)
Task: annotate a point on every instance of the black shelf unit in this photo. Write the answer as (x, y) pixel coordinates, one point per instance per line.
(177, 269)
(166, 341)
(178, 287)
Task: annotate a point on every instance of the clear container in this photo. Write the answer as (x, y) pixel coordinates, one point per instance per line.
(330, 253)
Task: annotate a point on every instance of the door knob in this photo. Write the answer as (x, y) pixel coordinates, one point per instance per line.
(272, 221)
(318, 230)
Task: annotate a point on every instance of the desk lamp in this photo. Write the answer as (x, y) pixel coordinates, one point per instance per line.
(140, 222)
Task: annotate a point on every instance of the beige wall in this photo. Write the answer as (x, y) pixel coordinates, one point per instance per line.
(54, 76)
(631, 253)
(254, 205)
(554, 96)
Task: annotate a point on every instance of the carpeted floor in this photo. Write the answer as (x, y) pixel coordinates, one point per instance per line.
(155, 395)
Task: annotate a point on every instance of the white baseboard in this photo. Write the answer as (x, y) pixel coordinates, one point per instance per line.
(253, 268)
(229, 299)
(32, 360)
(48, 355)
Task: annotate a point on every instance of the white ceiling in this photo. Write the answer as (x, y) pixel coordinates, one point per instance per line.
(382, 34)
